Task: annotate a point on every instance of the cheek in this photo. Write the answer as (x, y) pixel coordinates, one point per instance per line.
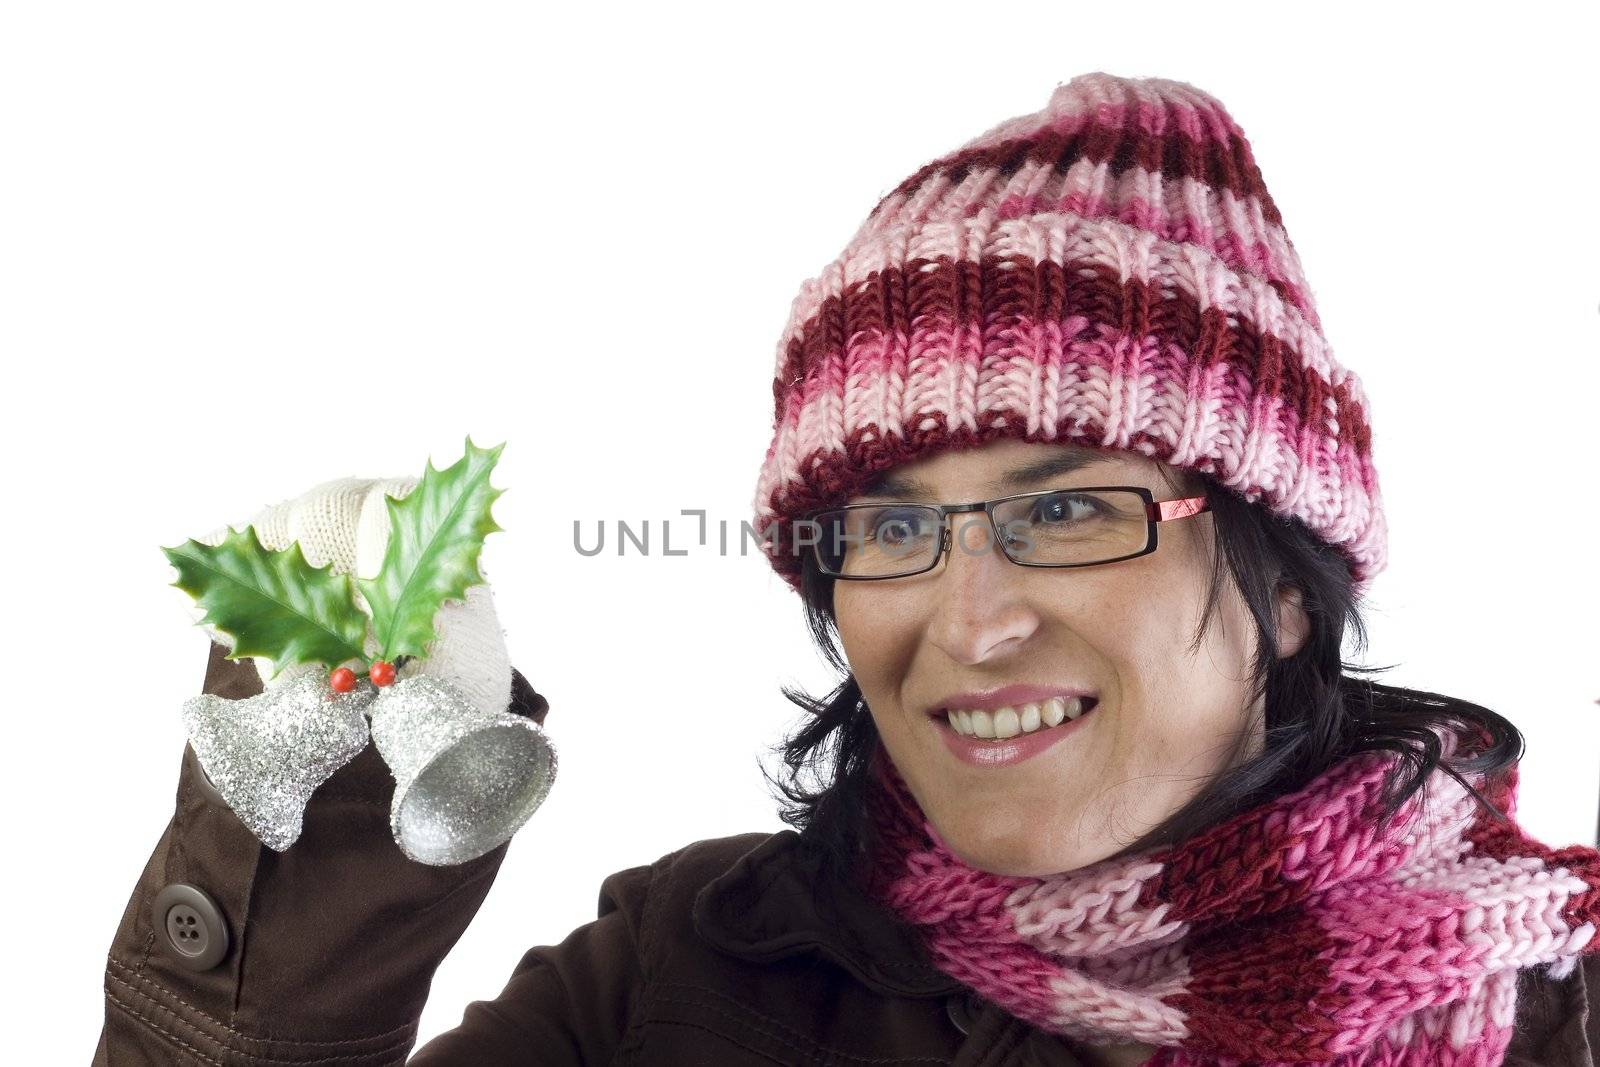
(877, 639)
(861, 640)
(1142, 628)
(848, 610)
(1181, 705)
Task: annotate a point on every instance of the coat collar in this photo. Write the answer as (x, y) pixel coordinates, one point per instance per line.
(775, 901)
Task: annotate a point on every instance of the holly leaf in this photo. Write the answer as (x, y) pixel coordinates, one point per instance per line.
(273, 604)
(435, 537)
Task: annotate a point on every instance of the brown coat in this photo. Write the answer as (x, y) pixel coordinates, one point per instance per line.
(727, 952)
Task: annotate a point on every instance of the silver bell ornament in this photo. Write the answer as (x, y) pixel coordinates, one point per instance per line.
(266, 754)
(466, 779)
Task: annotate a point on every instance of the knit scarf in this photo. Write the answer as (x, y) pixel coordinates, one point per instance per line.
(1295, 932)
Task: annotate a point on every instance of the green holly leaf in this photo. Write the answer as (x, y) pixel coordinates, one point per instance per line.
(436, 535)
(273, 604)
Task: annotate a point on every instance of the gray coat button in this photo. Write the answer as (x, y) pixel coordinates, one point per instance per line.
(191, 926)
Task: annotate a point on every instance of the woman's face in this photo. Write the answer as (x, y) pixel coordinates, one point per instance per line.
(1165, 718)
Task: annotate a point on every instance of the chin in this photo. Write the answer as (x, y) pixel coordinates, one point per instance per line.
(1014, 847)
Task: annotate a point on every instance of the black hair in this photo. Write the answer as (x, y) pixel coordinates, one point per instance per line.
(1316, 710)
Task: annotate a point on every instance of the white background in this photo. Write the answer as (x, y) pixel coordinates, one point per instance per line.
(247, 249)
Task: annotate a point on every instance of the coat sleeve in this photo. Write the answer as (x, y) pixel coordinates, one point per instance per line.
(331, 945)
(1557, 1020)
(565, 1004)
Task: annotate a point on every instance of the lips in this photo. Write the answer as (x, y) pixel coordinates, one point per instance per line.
(985, 752)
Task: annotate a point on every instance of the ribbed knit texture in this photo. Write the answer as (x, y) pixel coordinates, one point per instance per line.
(1109, 271)
(1295, 932)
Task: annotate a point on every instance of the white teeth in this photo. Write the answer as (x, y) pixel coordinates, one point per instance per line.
(1030, 718)
(1009, 722)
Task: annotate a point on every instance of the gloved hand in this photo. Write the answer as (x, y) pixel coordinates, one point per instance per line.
(346, 522)
(344, 932)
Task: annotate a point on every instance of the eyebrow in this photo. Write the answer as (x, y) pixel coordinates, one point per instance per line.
(1064, 462)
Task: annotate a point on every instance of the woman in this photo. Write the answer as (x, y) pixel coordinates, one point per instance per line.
(1063, 463)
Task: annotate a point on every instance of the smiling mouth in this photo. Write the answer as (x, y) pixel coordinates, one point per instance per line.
(1003, 724)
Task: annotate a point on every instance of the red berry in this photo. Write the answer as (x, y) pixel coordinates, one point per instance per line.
(382, 673)
(342, 680)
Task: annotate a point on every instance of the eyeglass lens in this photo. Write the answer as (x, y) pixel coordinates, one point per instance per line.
(1054, 529)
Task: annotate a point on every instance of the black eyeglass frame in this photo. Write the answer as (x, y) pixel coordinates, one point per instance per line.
(1155, 512)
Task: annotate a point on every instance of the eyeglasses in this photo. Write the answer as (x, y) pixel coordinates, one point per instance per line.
(1080, 527)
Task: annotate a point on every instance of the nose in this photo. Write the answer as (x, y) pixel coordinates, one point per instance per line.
(980, 611)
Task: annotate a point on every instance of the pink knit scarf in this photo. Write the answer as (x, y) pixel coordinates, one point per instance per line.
(1295, 932)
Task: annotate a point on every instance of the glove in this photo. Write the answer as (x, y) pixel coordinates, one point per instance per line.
(346, 522)
(344, 932)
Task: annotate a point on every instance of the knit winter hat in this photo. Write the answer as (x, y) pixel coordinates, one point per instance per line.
(1108, 272)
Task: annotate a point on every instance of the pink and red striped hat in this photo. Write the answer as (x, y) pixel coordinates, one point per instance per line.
(1109, 272)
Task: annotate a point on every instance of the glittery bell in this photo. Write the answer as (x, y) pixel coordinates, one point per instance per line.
(266, 754)
(466, 779)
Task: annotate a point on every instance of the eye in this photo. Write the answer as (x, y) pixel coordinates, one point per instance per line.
(1066, 508)
(896, 526)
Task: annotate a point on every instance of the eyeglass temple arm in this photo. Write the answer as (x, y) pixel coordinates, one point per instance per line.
(1163, 510)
